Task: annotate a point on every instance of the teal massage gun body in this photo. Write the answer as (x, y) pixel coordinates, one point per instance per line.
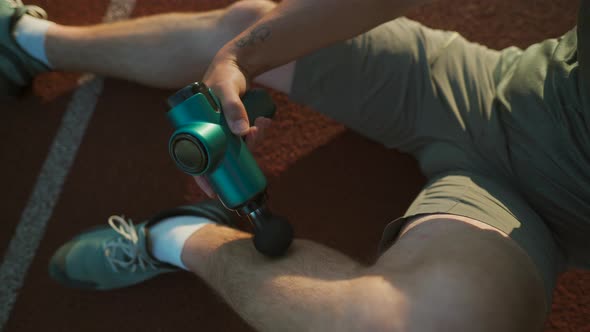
(203, 145)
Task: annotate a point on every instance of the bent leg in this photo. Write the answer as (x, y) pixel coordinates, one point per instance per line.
(378, 83)
(170, 50)
(167, 51)
(465, 276)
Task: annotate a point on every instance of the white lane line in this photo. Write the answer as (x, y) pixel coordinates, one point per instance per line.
(48, 186)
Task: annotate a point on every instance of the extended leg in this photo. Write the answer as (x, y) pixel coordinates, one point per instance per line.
(444, 273)
(437, 277)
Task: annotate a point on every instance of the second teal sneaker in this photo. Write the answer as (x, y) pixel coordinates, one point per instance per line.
(116, 256)
(17, 67)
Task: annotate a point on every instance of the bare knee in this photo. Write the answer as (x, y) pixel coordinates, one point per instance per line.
(441, 297)
(451, 277)
(242, 14)
(447, 297)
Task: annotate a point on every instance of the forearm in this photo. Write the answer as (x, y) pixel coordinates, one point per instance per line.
(297, 27)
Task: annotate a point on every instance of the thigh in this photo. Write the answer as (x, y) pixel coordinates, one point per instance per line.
(492, 205)
(376, 83)
(458, 274)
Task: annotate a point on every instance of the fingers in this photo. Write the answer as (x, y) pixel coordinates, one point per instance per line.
(233, 109)
(258, 132)
(228, 83)
(252, 137)
(262, 123)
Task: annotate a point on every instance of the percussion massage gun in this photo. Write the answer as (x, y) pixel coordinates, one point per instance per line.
(203, 145)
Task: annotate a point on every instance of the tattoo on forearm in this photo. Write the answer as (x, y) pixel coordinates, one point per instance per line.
(258, 34)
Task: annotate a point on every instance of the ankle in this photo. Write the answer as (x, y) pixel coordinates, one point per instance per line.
(168, 237)
(214, 242)
(59, 45)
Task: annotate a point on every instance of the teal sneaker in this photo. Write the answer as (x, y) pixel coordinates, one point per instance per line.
(17, 67)
(117, 256)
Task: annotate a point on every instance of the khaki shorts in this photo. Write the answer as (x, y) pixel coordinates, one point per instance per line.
(430, 93)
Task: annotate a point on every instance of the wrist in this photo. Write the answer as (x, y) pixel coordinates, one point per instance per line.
(247, 52)
(230, 54)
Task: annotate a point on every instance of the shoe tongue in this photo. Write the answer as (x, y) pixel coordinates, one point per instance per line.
(128, 251)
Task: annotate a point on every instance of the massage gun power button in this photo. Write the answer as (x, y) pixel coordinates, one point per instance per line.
(189, 154)
(190, 90)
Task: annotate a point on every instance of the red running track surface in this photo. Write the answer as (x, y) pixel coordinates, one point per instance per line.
(122, 167)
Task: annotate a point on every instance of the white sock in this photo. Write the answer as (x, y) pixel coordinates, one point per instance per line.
(168, 237)
(29, 32)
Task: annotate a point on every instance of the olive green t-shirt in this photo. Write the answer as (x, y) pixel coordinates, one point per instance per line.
(545, 102)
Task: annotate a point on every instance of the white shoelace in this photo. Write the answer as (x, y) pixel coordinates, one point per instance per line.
(32, 10)
(132, 256)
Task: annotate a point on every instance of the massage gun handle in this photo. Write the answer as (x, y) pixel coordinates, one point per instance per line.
(258, 103)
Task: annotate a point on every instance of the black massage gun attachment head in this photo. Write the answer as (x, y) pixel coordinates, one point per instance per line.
(272, 234)
(274, 237)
